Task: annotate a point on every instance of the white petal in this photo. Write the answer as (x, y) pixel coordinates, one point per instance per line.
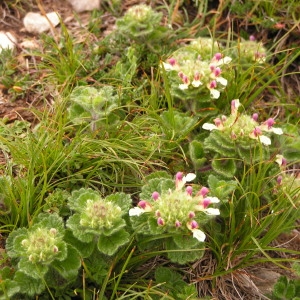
(136, 211)
(168, 67)
(199, 235)
(196, 83)
(279, 159)
(221, 80)
(224, 61)
(264, 140)
(189, 177)
(212, 211)
(277, 130)
(213, 199)
(209, 126)
(215, 94)
(183, 86)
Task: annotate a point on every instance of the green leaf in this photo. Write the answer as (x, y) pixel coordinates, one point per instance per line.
(122, 200)
(159, 185)
(220, 144)
(110, 244)
(158, 174)
(170, 277)
(28, 285)
(197, 154)
(221, 188)
(68, 268)
(33, 270)
(85, 249)
(224, 167)
(184, 241)
(74, 224)
(77, 200)
(279, 289)
(175, 254)
(14, 246)
(8, 289)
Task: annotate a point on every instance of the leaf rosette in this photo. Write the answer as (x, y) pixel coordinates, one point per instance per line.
(98, 219)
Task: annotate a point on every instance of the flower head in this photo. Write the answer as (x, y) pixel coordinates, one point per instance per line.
(179, 208)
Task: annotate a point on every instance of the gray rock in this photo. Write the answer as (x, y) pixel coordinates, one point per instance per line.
(36, 23)
(84, 5)
(7, 41)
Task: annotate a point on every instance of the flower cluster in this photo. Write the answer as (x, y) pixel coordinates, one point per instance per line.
(41, 245)
(194, 72)
(179, 209)
(99, 214)
(140, 21)
(252, 51)
(95, 215)
(241, 126)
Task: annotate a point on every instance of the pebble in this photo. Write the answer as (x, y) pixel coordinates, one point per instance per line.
(36, 23)
(86, 5)
(7, 41)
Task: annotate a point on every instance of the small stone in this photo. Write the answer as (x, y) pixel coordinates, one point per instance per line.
(7, 41)
(87, 5)
(36, 23)
(29, 44)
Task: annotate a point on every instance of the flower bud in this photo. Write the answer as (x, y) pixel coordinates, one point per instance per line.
(177, 224)
(189, 190)
(55, 249)
(179, 176)
(206, 202)
(217, 71)
(213, 84)
(160, 221)
(279, 180)
(255, 117)
(270, 122)
(204, 191)
(172, 61)
(218, 56)
(53, 231)
(194, 224)
(155, 195)
(218, 122)
(142, 204)
(191, 215)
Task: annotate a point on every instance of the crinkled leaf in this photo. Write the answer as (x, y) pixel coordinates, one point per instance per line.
(158, 174)
(221, 188)
(28, 285)
(117, 225)
(159, 185)
(197, 153)
(14, 248)
(74, 224)
(49, 221)
(154, 228)
(77, 201)
(224, 167)
(183, 257)
(122, 200)
(34, 270)
(85, 249)
(110, 244)
(68, 268)
(8, 289)
(184, 241)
